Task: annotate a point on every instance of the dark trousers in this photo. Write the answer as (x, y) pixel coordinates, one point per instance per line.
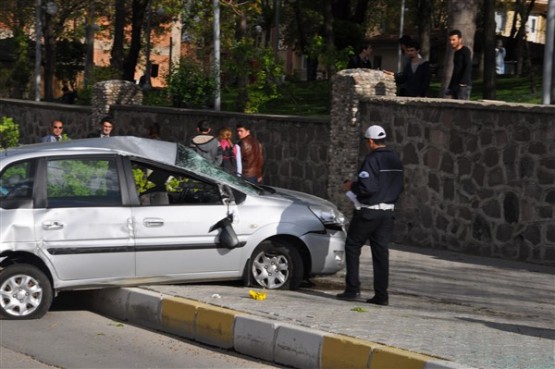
(375, 226)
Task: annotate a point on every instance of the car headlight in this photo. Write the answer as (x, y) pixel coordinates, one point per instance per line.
(330, 217)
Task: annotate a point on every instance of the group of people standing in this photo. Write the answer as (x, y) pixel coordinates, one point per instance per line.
(414, 78)
(244, 158)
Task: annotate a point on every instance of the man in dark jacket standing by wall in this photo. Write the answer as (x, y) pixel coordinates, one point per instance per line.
(414, 80)
(251, 154)
(379, 183)
(461, 79)
(206, 144)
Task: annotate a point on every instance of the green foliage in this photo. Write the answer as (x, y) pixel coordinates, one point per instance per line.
(17, 172)
(16, 75)
(70, 54)
(260, 72)
(301, 98)
(141, 181)
(189, 86)
(263, 87)
(156, 97)
(9, 133)
(76, 177)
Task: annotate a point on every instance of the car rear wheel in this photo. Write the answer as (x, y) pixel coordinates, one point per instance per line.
(25, 292)
(276, 266)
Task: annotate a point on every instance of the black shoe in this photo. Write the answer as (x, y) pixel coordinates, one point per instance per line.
(348, 295)
(376, 301)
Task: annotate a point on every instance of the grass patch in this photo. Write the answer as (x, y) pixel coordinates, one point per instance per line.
(313, 98)
(508, 88)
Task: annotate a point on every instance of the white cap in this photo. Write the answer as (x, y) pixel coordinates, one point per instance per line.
(375, 133)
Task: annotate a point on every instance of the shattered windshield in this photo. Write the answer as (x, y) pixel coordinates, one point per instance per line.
(190, 160)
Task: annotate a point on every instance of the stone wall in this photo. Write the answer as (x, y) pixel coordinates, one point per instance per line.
(480, 176)
(113, 92)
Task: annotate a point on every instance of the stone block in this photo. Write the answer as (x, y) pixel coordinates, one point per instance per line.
(481, 229)
(537, 148)
(492, 208)
(177, 316)
(491, 157)
(214, 326)
(392, 357)
(345, 352)
(112, 302)
(504, 233)
(495, 177)
(526, 167)
(511, 208)
(255, 337)
(298, 347)
(532, 233)
(144, 307)
(447, 163)
(545, 177)
(550, 233)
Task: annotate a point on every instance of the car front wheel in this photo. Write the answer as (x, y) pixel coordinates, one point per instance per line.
(25, 292)
(276, 266)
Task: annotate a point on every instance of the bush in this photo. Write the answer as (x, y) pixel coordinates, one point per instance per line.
(189, 86)
(9, 133)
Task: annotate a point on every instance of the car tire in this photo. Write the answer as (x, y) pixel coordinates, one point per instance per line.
(25, 292)
(274, 265)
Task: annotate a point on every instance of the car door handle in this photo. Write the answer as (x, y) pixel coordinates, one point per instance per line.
(153, 222)
(52, 225)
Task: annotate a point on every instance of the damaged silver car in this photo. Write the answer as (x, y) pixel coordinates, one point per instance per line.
(130, 211)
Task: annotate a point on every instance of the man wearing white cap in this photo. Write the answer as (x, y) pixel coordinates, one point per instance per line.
(375, 192)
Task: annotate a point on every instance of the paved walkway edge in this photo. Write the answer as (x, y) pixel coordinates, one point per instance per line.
(257, 337)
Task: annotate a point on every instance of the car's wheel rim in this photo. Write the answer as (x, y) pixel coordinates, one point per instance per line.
(270, 271)
(20, 295)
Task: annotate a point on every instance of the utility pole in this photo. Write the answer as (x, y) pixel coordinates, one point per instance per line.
(548, 54)
(217, 93)
(38, 51)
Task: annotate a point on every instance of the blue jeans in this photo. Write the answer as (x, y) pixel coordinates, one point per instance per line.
(460, 92)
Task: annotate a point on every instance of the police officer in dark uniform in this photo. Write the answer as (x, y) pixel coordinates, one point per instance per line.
(374, 194)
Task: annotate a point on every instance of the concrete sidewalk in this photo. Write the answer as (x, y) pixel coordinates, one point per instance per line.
(447, 310)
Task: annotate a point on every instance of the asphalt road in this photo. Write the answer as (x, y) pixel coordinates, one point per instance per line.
(71, 338)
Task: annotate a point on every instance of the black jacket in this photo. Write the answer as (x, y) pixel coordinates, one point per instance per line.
(380, 178)
(414, 83)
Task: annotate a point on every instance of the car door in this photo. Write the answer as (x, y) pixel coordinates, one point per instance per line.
(172, 222)
(82, 224)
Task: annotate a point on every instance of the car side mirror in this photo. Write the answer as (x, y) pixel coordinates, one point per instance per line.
(227, 237)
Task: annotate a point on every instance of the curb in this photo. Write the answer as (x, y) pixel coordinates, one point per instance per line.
(257, 337)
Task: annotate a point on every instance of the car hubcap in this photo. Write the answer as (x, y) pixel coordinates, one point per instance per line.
(20, 295)
(270, 271)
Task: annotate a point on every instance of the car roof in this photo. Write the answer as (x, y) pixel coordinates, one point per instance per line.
(161, 151)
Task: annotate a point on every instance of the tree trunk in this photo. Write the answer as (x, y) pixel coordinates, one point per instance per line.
(520, 37)
(49, 58)
(117, 55)
(552, 102)
(424, 27)
(328, 34)
(242, 79)
(489, 50)
(462, 16)
(137, 20)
